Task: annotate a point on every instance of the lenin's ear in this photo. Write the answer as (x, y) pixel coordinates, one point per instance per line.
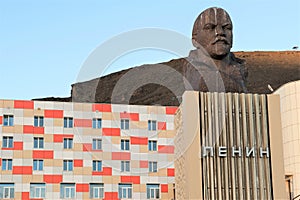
(195, 43)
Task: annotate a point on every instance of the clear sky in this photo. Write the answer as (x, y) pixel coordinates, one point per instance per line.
(43, 44)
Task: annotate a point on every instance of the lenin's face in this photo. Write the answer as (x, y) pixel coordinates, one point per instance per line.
(214, 32)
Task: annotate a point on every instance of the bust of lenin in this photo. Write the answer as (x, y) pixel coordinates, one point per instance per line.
(211, 67)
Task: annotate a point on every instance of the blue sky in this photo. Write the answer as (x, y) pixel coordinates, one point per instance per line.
(43, 44)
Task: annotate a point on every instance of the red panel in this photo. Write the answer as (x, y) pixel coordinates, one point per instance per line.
(111, 195)
(18, 146)
(1, 121)
(83, 123)
(0, 161)
(42, 154)
(139, 140)
(22, 170)
(171, 110)
(143, 164)
(134, 116)
(125, 115)
(164, 188)
(82, 187)
(78, 163)
(33, 130)
(161, 125)
(106, 171)
(38, 130)
(111, 131)
(131, 116)
(23, 104)
(120, 155)
(53, 178)
(165, 149)
(102, 107)
(25, 196)
(54, 114)
(28, 129)
(130, 179)
(60, 137)
(87, 147)
(171, 172)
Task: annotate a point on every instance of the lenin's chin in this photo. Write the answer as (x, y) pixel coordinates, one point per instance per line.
(219, 52)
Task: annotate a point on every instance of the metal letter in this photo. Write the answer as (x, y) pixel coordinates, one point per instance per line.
(261, 152)
(235, 151)
(249, 152)
(222, 151)
(211, 150)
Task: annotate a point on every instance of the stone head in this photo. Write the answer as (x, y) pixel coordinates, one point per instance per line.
(213, 32)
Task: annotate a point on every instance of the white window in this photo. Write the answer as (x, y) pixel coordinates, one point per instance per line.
(68, 165)
(68, 143)
(96, 190)
(97, 165)
(7, 190)
(125, 166)
(68, 122)
(6, 164)
(153, 191)
(38, 121)
(38, 142)
(97, 144)
(151, 125)
(38, 165)
(7, 142)
(67, 190)
(124, 124)
(124, 144)
(152, 166)
(125, 191)
(97, 123)
(8, 120)
(152, 145)
(37, 190)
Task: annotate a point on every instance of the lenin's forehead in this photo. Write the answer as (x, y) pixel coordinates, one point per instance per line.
(214, 16)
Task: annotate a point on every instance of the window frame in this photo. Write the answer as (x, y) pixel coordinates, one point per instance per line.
(38, 165)
(125, 144)
(127, 187)
(97, 123)
(152, 125)
(97, 166)
(125, 124)
(125, 166)
(152, 165)
(68, 122)
(38, 121)
(33, 189)
(97, 144)
(68, 165)
(8, 120)
(152, 144)
(63, 190)
(7, 164)
(68, 143)
(99, 187)
(38, 143)
(11, 190)
(7, 142)
(155, 188)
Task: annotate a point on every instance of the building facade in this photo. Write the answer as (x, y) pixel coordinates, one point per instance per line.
(290, 115)
(55, 150)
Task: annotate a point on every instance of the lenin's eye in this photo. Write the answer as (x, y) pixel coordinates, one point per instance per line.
(209, 26)
(227, 27)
